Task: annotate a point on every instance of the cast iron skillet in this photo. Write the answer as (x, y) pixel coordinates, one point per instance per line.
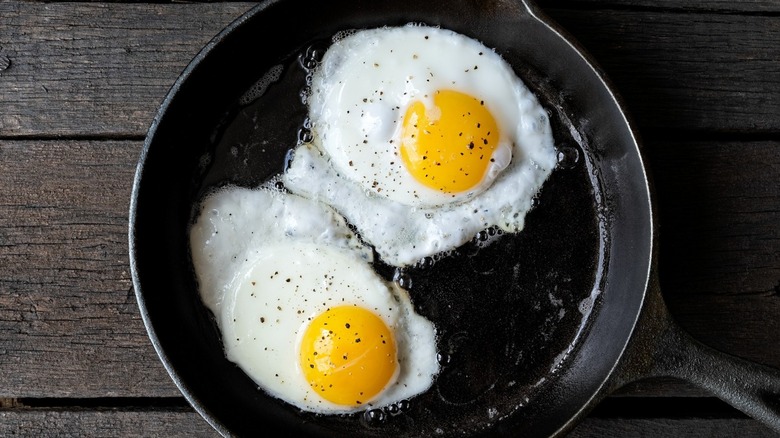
(534, 329)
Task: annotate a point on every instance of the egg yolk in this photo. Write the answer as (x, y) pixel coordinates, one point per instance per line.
(449, 147)
(348, 355)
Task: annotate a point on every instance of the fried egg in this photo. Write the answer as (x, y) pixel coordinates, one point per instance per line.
(301, 310)
(422, 137)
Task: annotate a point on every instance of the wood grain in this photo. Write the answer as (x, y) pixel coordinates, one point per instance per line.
(720, 6)
(97, 69)
(148, 423)
(719, 210)
(658, 427)
(690, 72)
(104, 423)
(70, 327)
(69, 322)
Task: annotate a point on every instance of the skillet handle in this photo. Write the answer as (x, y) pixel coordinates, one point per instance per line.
(664, 349)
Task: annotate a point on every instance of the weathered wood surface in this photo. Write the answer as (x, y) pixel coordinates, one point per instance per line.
(97, 69)
(754, 7)
(70, 325)
(659, 427)
(124, 423)
(120, 423)
(82, 82)
(102, 69)
(689, 72)
(719, 229)
(69, 322)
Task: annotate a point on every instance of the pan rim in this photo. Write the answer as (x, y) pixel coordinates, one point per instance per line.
(604, 387)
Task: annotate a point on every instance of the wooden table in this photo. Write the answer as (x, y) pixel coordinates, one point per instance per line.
(80, 83)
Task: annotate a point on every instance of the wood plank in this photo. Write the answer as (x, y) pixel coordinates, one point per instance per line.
(104, 423)
(689, 72)
(718, 203)
(714, 319)
(106, 78)
(659, 427)
(144, 423)
(719, 210)
(96, 68)
(69, 322)
(70, 327)
(720, 6)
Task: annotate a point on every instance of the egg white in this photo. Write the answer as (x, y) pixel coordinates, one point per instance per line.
(234, 223)
(268, 262)
(359, 95)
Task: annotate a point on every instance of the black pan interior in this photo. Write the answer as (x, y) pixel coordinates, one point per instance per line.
(529, 326)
